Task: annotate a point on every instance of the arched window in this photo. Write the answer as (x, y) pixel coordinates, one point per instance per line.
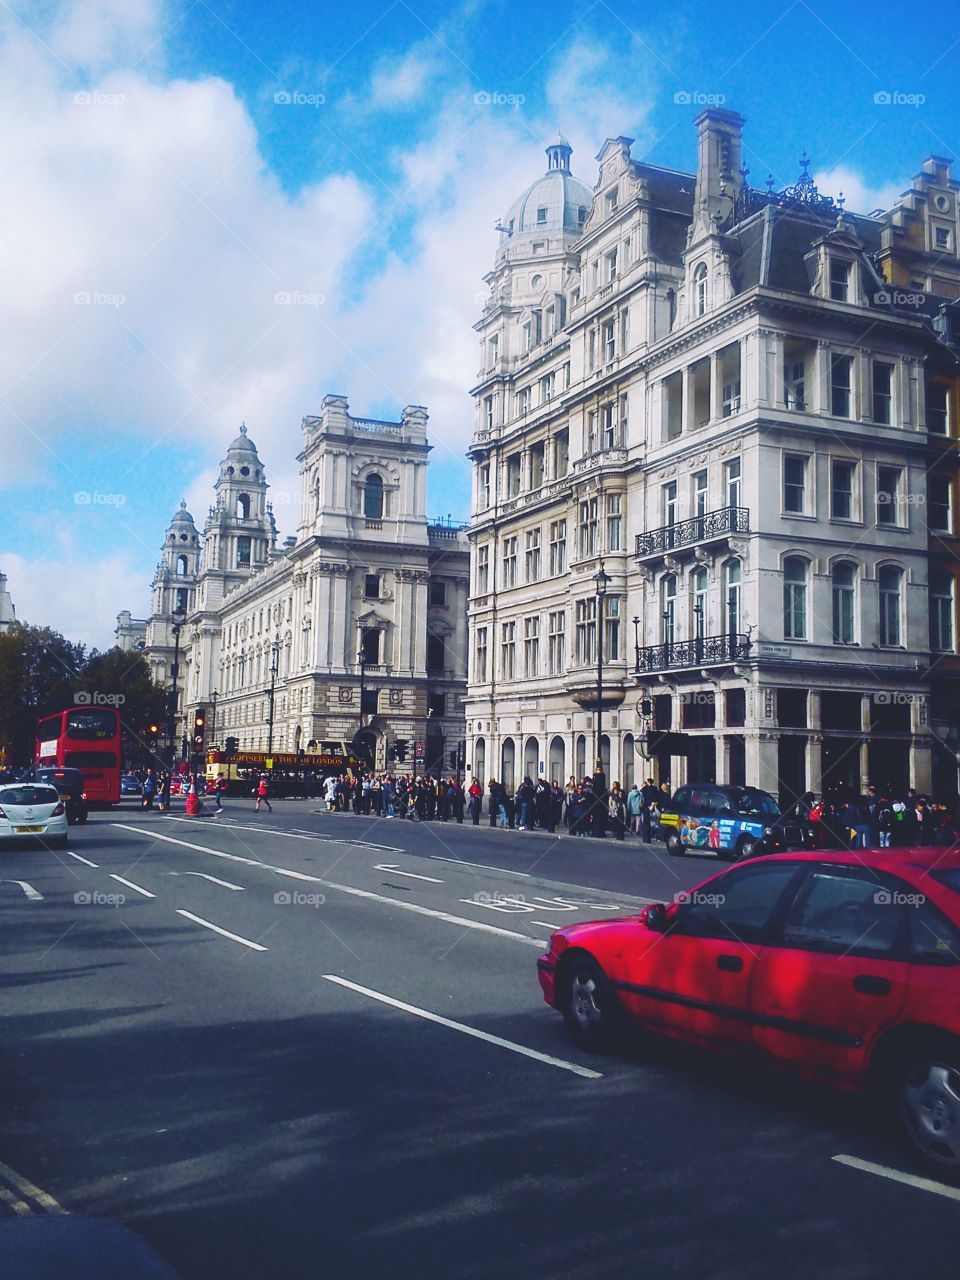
(844, 602)
(181, 566)
(668, 609)
(531, 759)
(373, 497)
(243, 506)
(700, 289)
(890, 584)
(508, 763)
(698, 603)
(557, 764)
(479, 761)
(627, 762)
(731, 597)
(941, 612)
(580, 767)
(794, 598)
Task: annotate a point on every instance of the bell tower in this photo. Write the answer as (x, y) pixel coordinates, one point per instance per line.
(240, 533)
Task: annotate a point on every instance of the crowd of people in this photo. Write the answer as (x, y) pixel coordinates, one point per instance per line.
(881, 818)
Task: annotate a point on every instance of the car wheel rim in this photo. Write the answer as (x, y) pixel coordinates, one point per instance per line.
(583, 1001)
(931, 1108)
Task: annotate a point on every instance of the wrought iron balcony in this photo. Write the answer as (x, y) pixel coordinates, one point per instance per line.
(702, 651)
(687, 533)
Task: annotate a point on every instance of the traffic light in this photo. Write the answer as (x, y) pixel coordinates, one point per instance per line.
(392, 753)
(230, 747)
(400, 746)
(199, 726)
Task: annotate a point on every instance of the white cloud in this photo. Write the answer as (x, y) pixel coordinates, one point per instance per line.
(397, 83)
(859, 195)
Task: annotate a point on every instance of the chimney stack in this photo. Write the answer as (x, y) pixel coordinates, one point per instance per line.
(718, 162)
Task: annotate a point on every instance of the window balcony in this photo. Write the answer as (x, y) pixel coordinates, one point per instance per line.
(713, 526)
(702, 651)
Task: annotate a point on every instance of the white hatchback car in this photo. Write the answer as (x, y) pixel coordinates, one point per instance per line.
(32, 810)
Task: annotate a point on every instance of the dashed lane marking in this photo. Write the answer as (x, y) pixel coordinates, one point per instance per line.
(130, 885)
(226, 884)
(29, 891)
(224, 933)
(466, 1030)
(86, 861)
(895, 1175)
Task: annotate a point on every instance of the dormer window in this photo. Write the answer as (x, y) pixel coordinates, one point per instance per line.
(613, 200)
(541, 214)
(839, 280)
(700, 289)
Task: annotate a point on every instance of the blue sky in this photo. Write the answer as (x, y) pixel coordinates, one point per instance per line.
(174, 167)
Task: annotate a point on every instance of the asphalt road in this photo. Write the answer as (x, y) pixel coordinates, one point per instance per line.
(215, 1034)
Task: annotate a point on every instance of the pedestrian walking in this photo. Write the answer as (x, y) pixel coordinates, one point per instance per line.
(149, 790)
(262, 793)
(219, 791)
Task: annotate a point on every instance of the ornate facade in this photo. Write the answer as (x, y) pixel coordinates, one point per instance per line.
(717, 394)
(367, 595)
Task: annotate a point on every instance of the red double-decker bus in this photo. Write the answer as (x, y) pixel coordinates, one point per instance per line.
(88, 739)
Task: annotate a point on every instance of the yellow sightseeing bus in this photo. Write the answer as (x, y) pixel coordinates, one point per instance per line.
(290, 772)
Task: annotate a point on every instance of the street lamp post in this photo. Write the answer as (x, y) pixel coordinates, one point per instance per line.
(601, 582)
(275, 649)
(213, 717)
(179, 618)
(362, 664)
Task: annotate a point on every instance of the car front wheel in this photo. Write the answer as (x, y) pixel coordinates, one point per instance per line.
(589, 1007)
(928, 1101)
(746, 848)
(674, 844)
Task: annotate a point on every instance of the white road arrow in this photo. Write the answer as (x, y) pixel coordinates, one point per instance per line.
(385, 866)
(237, 888)
(28, 889)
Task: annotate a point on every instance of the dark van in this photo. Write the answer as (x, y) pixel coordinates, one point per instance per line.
(69, 782)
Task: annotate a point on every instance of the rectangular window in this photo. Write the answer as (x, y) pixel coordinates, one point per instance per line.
(371, 586)
(546, 388)
(889, 495)
(561, 454)
(611, 629)
(624, 332)
(488, 412)
(612, 200)
(700, 498)
(586, 625)
(480, 662)
(592, 349)
(623, 405)
(558, 547)
(841, 489)
(483, 486)
(610, 264)
(609, 341)
(732, 477)
(937, 412)
(513, 475)
(531, 556)
(590, 443)
(436, 655)
(840, 372)
(794, 484)
(608, 426)
(673, 406)
(243, 553)
(794, 396)
(735, 708)
(839, 280)
(942, 238)
(493, 351)
(587, 529)
(882, 393)
(614, 522)
(508, 650)
(537, 452)
(940, 503)
(557, 643)
(370, 646)
(438, 592)
(941, 612)
(483, 570)
(531, 647)
(523, 401)
(510, 561)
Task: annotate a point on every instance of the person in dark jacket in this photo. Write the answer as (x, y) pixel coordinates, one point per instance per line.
(541, 802)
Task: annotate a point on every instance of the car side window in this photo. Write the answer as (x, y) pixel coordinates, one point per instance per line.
(844, 912)
(680, 800)
(738, 906)
(931, 938)
(720, 804)
(699, 802)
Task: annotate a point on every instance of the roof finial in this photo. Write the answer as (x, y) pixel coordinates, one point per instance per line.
(243, 428)
(183, 504)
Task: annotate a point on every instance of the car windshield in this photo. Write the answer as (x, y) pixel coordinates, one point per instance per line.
(28, 795)
(756, 802)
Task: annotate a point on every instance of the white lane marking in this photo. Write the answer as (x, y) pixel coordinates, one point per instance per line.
(547, 924)
(461, 921)
(462, 862)
(130, 885)
(234, 937)
(29, 1191)
(293, 834)
(894, 1175)
(586, 1072)
(237, 888)
(387, 866)
(28, 890)
(86, 861)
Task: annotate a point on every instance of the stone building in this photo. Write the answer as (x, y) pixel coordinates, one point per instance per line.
(368, 595)
(717, 395)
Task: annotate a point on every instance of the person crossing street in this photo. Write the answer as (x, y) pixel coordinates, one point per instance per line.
(262, 793)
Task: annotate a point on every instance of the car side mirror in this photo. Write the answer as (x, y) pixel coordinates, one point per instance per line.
(655, 917)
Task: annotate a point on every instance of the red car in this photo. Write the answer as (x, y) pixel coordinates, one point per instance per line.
(842, 967)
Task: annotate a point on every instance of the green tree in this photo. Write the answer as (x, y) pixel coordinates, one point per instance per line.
(126, 678)
(39, 674)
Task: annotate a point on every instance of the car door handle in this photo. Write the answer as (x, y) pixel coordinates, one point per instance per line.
(868, 985)
(732, 964)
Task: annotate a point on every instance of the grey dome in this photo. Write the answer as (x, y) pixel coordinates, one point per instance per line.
(243, 444)
(182, 516)
(555, 203)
